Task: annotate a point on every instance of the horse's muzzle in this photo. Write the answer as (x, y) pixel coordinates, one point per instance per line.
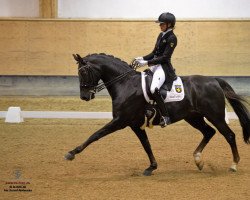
(88, 98)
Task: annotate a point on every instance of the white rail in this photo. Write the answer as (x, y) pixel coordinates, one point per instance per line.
(76, 115)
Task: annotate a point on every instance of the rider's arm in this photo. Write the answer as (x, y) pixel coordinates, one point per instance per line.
(171, 44)
(149, 56)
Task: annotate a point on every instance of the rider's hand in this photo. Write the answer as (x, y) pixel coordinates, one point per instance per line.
(139, 58)
(141, 63)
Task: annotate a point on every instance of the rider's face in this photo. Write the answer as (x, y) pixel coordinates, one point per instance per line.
(163, 27)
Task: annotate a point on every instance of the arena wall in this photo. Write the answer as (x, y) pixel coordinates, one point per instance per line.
(69, 85)
(129, 9)
(143, 9)
(45, 47)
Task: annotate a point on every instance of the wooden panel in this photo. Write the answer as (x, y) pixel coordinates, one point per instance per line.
(216, 48)
(48, 8)
(45, 47)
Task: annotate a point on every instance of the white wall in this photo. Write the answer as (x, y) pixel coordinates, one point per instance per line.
(131, 9)
(152, 8)
(19, 8)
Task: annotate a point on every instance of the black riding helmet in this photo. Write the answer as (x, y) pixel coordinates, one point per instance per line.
(166, 18)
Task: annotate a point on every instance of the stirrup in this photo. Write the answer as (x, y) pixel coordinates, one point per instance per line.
(164, 121)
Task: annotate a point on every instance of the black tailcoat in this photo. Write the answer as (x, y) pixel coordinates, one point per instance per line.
(162, 53)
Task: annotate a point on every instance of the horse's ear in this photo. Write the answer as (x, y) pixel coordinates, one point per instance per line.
(77, 57)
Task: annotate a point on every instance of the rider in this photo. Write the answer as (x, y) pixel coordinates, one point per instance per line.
(159, 61)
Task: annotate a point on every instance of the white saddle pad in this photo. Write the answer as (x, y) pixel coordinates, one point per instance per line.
(175, 94)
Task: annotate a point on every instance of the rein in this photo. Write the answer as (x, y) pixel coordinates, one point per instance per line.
(103, 85)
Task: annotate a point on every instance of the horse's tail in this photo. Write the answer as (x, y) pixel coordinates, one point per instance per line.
(239, 108)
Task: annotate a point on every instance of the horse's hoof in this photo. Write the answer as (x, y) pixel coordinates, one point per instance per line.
(200, 165)
(147, 172)
(232, 169)
(69, 156)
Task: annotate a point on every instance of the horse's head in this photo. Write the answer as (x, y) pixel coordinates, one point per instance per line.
(88, 78)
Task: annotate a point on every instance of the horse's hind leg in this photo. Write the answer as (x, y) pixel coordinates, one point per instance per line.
(141, 134)
(229, 135)
(197, 121)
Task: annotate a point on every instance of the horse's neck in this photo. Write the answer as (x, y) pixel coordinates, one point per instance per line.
(112, 73)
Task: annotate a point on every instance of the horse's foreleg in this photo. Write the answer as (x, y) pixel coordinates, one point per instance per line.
(141, 134)
(207, 131)
(112, 126)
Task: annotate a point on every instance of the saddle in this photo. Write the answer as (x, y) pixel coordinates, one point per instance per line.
(170, 90)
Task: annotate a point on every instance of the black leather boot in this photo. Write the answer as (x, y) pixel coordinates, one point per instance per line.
(165, 119)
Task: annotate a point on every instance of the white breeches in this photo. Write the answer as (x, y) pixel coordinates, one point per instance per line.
(158, 77)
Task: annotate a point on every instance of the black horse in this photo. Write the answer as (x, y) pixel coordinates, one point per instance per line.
(204, 97)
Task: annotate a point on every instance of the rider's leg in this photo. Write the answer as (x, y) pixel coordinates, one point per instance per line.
(153, 68)
(165, 120)
(158, 80)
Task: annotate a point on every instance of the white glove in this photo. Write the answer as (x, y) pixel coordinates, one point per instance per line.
(141, 63)
(139, 58)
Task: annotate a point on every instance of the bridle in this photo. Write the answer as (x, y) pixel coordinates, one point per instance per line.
(91, 73)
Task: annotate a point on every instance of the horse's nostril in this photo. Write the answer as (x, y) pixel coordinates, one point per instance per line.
(84, 98)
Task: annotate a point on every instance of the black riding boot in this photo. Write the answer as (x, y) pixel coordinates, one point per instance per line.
(165, 120)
